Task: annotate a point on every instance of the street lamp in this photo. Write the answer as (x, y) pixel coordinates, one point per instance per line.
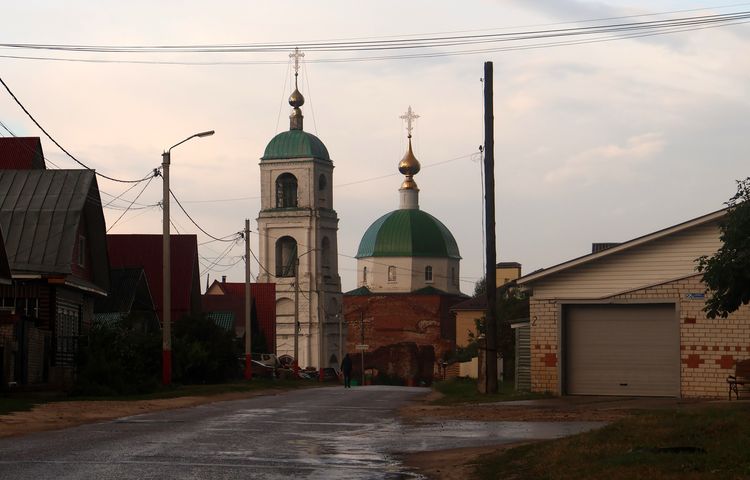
(166, 372)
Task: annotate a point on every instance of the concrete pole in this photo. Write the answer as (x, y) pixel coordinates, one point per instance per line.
(296, 313)
(166, 373)
(248, 307)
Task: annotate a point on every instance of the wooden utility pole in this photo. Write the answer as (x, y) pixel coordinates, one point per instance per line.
(248, 307)
(489, 209)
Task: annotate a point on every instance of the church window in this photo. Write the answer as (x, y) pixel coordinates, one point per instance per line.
(391, 273)
(322, 182)
(325, 252)
(428, 273)
(286, 256)
(454, 280)
(286, 191)
(364, 275)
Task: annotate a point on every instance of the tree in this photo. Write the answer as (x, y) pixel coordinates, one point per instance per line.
(727, 273)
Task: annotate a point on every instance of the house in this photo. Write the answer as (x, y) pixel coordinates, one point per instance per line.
(54, 234)
(225, 301)
(629, 320)
(129, 297)
(21, 153)
(145, 251)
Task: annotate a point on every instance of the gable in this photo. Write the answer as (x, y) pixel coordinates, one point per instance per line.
(657, 261)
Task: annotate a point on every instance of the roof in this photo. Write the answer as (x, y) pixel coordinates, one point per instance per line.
(41, 212)
(620, 247)
(5, 276)
(224, 320)
(233, 300)
(21, 153)
(408, 233)
(295, 144)
(145, 251)
(508, 265)
(128, 291)
(473, 304)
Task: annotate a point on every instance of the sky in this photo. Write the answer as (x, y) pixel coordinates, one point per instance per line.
(597, 141)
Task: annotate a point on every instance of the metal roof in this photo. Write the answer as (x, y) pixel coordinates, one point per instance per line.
(21, 153)
(295, 144)
(408, 233)
(41, 212)
(224, 320)
(5, 276)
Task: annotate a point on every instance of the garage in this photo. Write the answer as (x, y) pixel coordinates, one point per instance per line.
(621, 349)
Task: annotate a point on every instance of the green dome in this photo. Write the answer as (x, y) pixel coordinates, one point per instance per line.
(295, 144)
(408, 233)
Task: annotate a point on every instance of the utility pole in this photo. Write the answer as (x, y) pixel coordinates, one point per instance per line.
(362, 342)
(296, 313)
(489, 208)
(166, 275)
(248, 307)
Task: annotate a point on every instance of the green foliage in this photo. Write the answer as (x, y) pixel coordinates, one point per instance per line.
(727, 272)
(480, 288)
(118, 360)
(203, 352)
(464, 390)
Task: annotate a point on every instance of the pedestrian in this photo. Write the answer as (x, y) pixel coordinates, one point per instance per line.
(346, 369)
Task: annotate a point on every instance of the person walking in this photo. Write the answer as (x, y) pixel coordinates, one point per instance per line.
(346, 369)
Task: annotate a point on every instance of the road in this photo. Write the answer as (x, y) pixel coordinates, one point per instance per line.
(322, 433)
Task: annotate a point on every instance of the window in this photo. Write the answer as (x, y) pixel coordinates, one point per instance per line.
(454, 280)
(322, 182)
(364, 275)
(286, 256)
(81, 251)
(391, 273)
(428, 273)
(325, 252)
(286, 191)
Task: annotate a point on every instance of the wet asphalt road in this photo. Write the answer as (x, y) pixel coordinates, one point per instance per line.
(323, 433)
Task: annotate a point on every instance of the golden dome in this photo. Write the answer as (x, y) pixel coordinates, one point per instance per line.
(409, 165)
(296, 99)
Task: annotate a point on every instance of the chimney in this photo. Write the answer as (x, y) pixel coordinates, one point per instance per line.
(223, 279)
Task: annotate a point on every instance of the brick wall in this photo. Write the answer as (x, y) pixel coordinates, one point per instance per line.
(709, 348)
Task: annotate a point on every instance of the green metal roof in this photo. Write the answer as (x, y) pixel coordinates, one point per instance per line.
(224, 320)
(408, 233)
(295, 144)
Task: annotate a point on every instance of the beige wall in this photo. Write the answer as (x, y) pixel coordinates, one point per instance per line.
(504, 275)
(465, 323)
(409, 274)
(708, 348)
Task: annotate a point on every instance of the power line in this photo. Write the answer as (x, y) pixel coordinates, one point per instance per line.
(131, 204)
(655, 27)
(60, 146)
(224, 239)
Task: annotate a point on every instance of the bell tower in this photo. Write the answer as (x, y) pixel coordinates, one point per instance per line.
(298, 230)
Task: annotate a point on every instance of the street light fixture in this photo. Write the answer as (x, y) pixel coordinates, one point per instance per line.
(166, 267)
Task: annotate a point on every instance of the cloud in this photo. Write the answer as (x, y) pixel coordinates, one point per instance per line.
(607, 162)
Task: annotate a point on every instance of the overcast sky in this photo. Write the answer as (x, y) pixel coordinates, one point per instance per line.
(595, 142)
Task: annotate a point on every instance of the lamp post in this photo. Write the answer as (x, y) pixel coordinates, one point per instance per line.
(166, 372)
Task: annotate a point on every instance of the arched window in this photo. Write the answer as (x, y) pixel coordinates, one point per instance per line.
(286, 190)
(391, 273)
(322, 182)
(286, 255)
(428, 273)
(364, 275)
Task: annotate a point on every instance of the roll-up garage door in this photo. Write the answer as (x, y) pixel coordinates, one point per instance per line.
(617, 349)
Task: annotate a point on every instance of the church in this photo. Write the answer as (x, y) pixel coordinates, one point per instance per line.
(399, 320)
(298, 249)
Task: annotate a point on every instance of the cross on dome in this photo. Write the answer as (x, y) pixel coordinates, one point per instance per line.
(296, 55)
(409, 116)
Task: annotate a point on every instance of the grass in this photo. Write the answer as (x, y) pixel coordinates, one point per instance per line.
(640, 446)
(464, 390)
(16, 402)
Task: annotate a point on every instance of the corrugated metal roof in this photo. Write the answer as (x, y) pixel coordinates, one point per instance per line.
(21, 153)
(40, 214)
(145, 251)
(295, 144)
(224, 320)
(408, 233)
(5, 277)
(264, 300)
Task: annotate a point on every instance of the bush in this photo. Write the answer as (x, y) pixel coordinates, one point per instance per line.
(118, 360)
(204, 352)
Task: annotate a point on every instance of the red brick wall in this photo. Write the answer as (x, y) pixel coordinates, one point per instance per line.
(390, 319)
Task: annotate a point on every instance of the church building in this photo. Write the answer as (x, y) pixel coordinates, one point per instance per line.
(298, 240)
(408, 277)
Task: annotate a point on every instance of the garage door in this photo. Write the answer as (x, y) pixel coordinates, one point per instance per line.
(621, 350)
